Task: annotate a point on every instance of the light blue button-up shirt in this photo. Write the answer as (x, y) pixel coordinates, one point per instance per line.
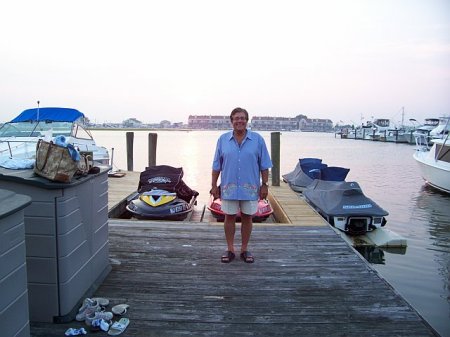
(240, 166)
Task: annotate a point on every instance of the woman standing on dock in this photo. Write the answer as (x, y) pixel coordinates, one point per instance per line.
(240, 158)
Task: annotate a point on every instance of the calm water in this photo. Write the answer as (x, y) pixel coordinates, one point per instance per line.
(386, 172)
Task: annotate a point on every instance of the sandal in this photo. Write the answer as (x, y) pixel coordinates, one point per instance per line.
(118, 327)
(103, 302)
(120, 309)
(247, 257)
(228, 257)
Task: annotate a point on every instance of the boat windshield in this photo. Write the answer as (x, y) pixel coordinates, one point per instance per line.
(443, 152)
(432, 121)
(33, 129)
(79, 131)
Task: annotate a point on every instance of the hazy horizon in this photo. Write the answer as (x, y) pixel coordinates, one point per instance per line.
(347, 60)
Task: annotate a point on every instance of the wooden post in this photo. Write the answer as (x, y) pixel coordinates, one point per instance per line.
(130, 140)
(152, 142)
(275, 156)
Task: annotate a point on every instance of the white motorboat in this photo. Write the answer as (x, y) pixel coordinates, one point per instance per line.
(442, 128)
(435, 163)
(379, 128)
(403, 134)
(423, 131)
(18, 138)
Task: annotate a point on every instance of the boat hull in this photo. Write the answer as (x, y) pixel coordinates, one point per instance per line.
(436, 173)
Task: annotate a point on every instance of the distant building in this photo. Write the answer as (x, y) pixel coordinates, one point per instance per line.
(262, 123)
(132, 123)
(209, 122)
(274, 123)
(316, 124)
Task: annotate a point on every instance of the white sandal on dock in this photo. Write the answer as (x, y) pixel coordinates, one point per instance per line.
(118, 327)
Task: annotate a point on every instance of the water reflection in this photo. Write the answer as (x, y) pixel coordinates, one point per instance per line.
(435, 206)
(375, 255)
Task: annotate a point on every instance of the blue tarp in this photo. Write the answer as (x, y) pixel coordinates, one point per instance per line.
(48, 114)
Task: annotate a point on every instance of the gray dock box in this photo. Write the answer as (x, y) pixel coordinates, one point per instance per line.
(13, 271)
(66, 235)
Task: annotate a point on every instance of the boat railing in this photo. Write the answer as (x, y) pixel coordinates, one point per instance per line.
(12, 145)
(422, 142)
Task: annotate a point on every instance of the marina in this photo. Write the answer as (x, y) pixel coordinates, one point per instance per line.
(102, 98)
(382, 130)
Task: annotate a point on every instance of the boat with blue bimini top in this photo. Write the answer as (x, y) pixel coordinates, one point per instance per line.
(19, 137)
(344, 205)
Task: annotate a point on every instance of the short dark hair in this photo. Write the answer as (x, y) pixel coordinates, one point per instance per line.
(236, 110)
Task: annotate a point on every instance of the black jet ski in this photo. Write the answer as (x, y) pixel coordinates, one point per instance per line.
(162, 195)
(309, 169)
(344, 206)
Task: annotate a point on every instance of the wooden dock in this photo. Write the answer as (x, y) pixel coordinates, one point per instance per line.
(306, 281)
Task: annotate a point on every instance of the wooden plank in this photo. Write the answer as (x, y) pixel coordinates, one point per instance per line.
(290, 208)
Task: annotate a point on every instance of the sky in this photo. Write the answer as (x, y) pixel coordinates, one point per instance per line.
(346, 60)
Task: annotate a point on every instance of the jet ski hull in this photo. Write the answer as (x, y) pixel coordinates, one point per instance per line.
(176, 210)
(263, 212)
(344, 206)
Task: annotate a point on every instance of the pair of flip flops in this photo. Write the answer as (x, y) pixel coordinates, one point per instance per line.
(229, 256)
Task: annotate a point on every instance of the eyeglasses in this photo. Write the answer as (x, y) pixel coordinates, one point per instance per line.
(239, 119)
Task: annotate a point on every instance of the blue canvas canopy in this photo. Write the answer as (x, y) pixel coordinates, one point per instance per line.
(48, 114)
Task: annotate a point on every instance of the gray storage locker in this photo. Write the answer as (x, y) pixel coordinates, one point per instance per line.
(66, 235)
(13, 273)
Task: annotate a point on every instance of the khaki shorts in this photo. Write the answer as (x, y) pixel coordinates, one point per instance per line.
(231, 207)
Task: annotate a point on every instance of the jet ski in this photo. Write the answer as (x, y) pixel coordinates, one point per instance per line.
(344, 205)
(263, 212)
(162, 195)
(309, 169)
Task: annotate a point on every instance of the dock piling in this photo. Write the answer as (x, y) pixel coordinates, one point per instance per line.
(275, 154)
(130, 140)
(152, 142)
